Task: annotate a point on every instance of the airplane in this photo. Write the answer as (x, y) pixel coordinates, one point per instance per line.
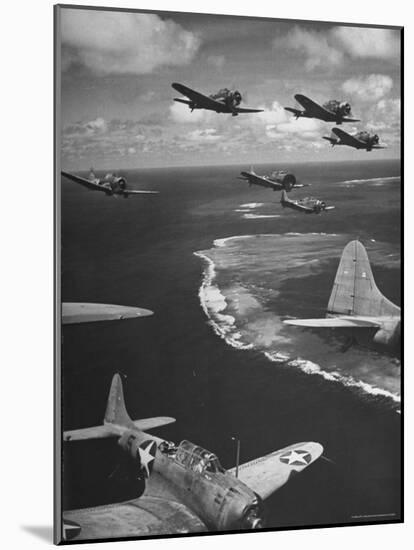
(186, 488)
(81, 312)
(224, 101)
(360, 140)
(356, 302)
(308, 205)
(276, 180)
(331, 111)
(111, 184)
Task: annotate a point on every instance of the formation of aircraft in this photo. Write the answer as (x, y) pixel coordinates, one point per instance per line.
(111, 184)
(360, 140)
(224, 101)
(276, 180)
(308, 205)
(356, 301)
(331, 111)
(85, 312)
(186, 488)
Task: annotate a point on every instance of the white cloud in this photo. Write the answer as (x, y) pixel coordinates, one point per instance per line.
(118, 42)
(207, 135)
(181, 113)
(316, 45)
(369, 88)
(386, 116)
(368, 42)
(329, 48)
(278, 122)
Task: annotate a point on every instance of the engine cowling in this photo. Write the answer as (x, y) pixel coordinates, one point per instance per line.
(286, 179)
(345, 108)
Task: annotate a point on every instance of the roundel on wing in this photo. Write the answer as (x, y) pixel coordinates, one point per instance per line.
(71, 529)
(147, 451)
(296, 457)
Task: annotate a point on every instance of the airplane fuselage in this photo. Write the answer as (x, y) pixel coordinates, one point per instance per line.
(183, 474)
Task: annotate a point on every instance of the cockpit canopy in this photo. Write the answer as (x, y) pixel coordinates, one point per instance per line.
(197, 459)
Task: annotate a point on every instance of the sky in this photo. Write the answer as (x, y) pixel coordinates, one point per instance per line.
(117, 108)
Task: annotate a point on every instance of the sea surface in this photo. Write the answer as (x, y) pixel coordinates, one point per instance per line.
(221, 264)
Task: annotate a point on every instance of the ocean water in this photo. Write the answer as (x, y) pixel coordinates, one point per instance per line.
(221, 264)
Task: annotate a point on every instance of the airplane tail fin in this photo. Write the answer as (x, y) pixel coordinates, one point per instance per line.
(354, 291)
(91, 176)
(116, 412)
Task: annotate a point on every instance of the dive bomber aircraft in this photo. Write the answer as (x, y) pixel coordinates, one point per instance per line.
(111, 184)
(187, 489)
(331, 111)
(308, 205)
(276, 180)
(360, 140)
(356, 302)
(83, 312)
(224, 101)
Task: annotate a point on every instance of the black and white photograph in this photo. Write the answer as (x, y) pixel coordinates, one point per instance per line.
(228, 225)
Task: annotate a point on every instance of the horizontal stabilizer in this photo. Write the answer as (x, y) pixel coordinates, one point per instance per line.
(108, 430)
(334, 322)
(80, 312)
(267, 474)
(96, 432)
(150, 423)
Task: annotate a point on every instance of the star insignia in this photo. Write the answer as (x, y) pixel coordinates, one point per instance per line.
(296, 458)
(147, 456)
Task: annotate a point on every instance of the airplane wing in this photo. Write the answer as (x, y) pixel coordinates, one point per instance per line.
(292, 110)
(347, 139)
(80, 312)
(200, 100)
(313, 108)
(334, 322)
(141, 517)
(83, 181)
(300, 207)
(267, 474)
(242, 110)
(109, 430)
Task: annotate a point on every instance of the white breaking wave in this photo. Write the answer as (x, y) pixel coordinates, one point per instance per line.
(214, 303)
(309, 367)
(369, 180)
(252, 205)
(260, 216)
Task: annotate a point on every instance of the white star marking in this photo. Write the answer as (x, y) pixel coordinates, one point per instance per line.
(296, 457)
(146, 458)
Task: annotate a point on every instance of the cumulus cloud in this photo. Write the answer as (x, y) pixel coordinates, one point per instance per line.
(182, 114)
(330, 48)
(366, 42)
(207, 135)
(385, 115)
(369, 88)
(316, 45)
(101, 139)
(118, 42)
(278, 122)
